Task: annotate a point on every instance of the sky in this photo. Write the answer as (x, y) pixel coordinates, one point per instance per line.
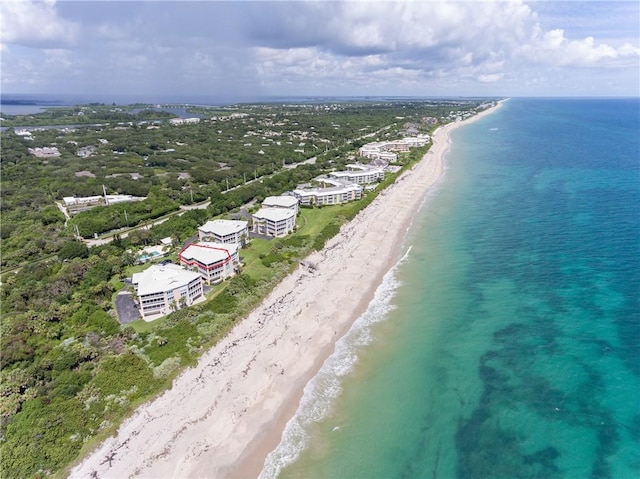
(251, 49)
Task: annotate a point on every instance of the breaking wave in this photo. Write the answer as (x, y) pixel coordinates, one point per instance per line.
(321, 391)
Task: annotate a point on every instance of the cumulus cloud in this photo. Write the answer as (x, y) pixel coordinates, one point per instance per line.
(330, 47)
(554, 48)
(35, 24)
(436, 35)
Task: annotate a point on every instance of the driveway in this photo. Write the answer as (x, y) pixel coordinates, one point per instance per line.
(126, 308)
(260, 236)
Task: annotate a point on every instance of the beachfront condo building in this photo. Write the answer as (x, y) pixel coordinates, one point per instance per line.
(224, 231)
(383, 150)
(371, 150)
(405, 144)
(377, 151)
(165, 288)
(359, 174)
(286, 201)
(275, 222)
(387, 156)
(333, 195)
(215, 262)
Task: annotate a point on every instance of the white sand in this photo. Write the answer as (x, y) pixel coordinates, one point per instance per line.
(222, 417)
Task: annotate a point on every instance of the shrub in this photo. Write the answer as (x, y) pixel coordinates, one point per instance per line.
(73, 249)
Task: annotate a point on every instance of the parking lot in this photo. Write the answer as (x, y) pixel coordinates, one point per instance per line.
(126, 308)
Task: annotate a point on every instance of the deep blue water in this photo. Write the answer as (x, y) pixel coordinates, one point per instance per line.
(507, 343)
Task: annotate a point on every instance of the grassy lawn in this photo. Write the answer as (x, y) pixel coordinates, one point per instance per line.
(142, 326)
(315, 219)
(251, 258)
(309, 223)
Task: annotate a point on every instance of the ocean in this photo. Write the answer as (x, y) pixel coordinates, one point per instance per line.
(506, 342)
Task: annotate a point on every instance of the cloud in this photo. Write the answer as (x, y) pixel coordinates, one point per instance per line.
(58, 58)
(35, 24)
(398, 28)
(397, 42)
(307, 46)
(490, 78)
(440, 35)
(392, 42)
(555, 49)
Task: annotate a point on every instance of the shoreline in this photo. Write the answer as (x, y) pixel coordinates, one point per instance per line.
(222, 417)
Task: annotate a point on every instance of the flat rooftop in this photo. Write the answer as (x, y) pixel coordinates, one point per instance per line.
(162, 278)
(274, 214)
(280, 201)
(223, 227)
(208, 253)
(361, 167)
(327, 191)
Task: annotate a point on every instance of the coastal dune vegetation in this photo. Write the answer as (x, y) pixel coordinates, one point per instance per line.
(70, 373)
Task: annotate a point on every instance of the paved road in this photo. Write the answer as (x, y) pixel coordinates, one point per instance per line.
(259, 236)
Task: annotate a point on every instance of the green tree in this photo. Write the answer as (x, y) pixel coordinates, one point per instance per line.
(73, 249)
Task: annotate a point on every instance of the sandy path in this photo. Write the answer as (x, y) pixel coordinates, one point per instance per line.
(222, 417)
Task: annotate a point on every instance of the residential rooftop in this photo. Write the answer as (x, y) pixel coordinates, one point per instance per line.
(161, 278)
(224, 227)
(280, 201)
(274, 214)
(208, 253)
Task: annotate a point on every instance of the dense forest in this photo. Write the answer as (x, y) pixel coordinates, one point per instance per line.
(87, 114)
(69, 371)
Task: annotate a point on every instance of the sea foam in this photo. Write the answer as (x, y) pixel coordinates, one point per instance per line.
(322, 390)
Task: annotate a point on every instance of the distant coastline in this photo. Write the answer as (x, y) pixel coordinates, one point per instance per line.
(45, 100)
(31, 104)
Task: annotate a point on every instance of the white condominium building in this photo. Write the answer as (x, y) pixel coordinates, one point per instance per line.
(405, 144)
(184, 121)
(274, 221)
(224, 231)
(87, 200)
(287, 202)
(359, 174)
(378, 154)
(382, 150)
(45, 152)
(387, 156)
(165, 288)
(371, 150)
(398, 145)
(413, 141)
(214, 262)
(335, 195)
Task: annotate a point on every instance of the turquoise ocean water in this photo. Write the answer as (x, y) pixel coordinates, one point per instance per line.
(506, 342)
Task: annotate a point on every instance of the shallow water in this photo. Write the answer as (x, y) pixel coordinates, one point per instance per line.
(507, 342)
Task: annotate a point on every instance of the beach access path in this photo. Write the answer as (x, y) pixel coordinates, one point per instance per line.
(222, 417)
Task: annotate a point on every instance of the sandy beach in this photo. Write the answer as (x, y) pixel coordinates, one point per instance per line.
(222, 417)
